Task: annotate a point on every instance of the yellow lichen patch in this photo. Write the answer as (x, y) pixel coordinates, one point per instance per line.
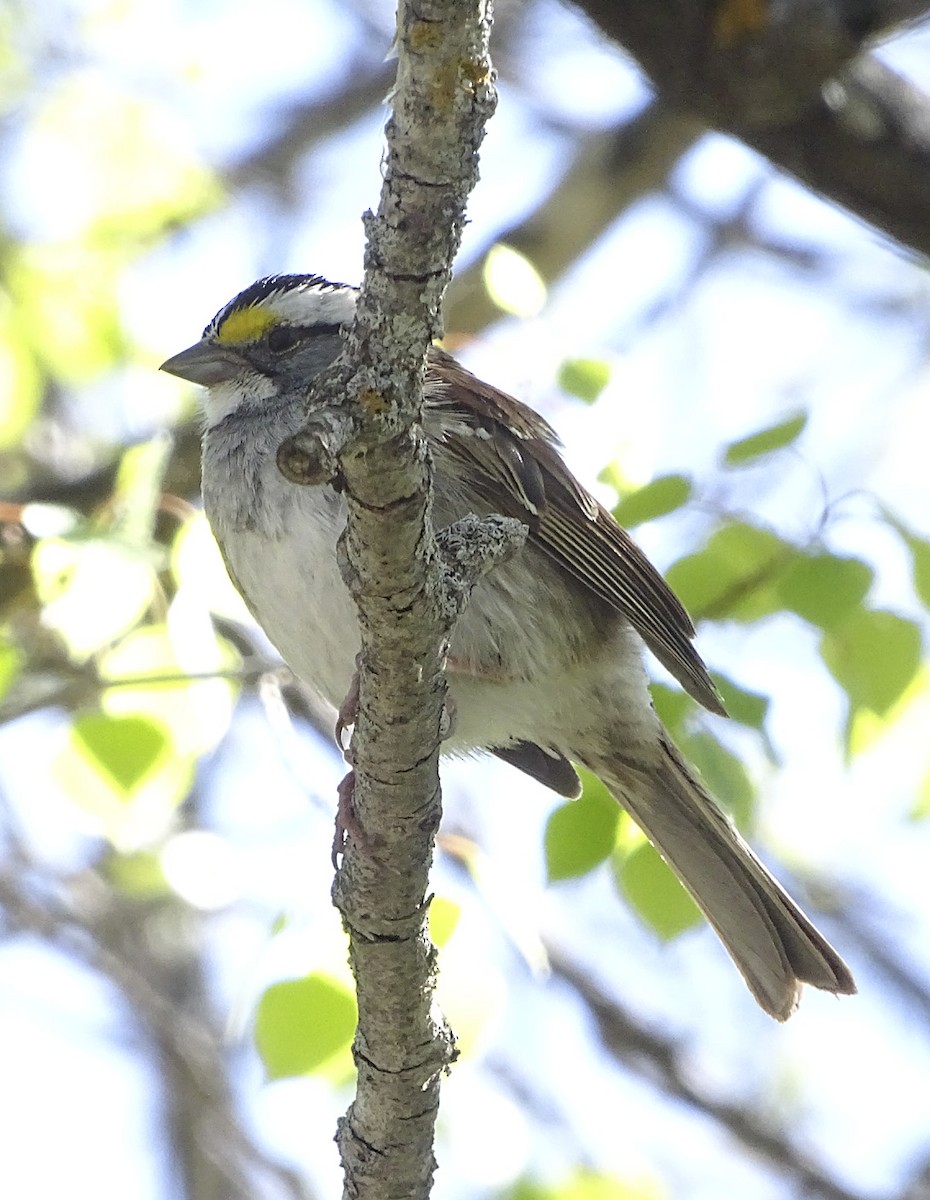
(425, 35)
(244, 325)
(444, 86)
(476, 74)
(372, 401)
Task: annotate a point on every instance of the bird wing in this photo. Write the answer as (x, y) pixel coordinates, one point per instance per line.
(504, 448)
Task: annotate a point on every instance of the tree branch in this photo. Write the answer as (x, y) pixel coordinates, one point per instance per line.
(362, 432)
(758, 71)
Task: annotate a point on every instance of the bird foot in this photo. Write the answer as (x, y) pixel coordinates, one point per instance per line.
(348, 709)
(348, 825)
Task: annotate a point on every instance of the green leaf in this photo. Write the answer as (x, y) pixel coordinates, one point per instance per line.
(824, 588)
(512, 282)
(444, 916)
(138, 488)
(584, 1185)
(92, 589)
(873, 656)
(196, 712)
(672, 706)
(197, 565)
(126, 748)
(655, 892)
(723, 774)
(581, 833)
(748, 708)
(654, 499)
(139, 874)
(775, 437)
(920, 809)
(585, 378)
(303, 1023)
(734, 575)
(920, 554)
(11, 663)
(589, 1185)
(126, 774)
(21, 393)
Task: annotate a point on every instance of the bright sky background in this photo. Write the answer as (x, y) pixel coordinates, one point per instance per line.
(753, 340)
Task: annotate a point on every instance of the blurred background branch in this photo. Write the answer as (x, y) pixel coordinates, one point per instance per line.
(698, 247)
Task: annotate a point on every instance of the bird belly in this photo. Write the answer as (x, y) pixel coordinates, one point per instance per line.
(527, 662)
(294, 590)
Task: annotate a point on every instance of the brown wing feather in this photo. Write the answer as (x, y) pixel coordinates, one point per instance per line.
(507, 447)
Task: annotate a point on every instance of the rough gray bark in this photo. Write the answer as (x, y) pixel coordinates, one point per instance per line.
(362, 430)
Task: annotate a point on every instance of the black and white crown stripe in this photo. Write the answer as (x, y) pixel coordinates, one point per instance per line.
(294, 299)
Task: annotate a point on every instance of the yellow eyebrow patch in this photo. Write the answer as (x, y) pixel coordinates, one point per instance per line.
(245, 325)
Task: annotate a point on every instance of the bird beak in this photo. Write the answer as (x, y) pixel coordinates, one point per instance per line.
(205, 363)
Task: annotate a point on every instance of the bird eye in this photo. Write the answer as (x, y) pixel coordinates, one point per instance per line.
(282, 338)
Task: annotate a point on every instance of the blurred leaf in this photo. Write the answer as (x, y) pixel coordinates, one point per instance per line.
(512, 282)
(133, 163)
(672, 705)
(585, 378)
(920, 554)
(474, 996)
(585, 1185)
(196, 711)
(301, 1024)
(748, 708)
(723, 774)
(92, 589)
(444, 917)
(133, 173)
(126, 775)
(137, 874)
(20, 382)
(589, 1185)
(126, 748)
(775, 437)
(920, 810)
(198, 566)
(11, 663)
(734, 575)
(873, 656)
(721, 769)
(581, 833)
(824, 588)
(138, 488)
(66, 298)
(654, 891)
(865, 729)
(654, 499)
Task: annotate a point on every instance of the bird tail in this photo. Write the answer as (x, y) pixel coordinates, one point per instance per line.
(774, 945)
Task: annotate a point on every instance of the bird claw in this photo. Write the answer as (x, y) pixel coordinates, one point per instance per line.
(348, 825)
(447, 718)
(348, 709)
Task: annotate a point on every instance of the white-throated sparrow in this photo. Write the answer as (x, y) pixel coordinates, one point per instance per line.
(545, 665)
